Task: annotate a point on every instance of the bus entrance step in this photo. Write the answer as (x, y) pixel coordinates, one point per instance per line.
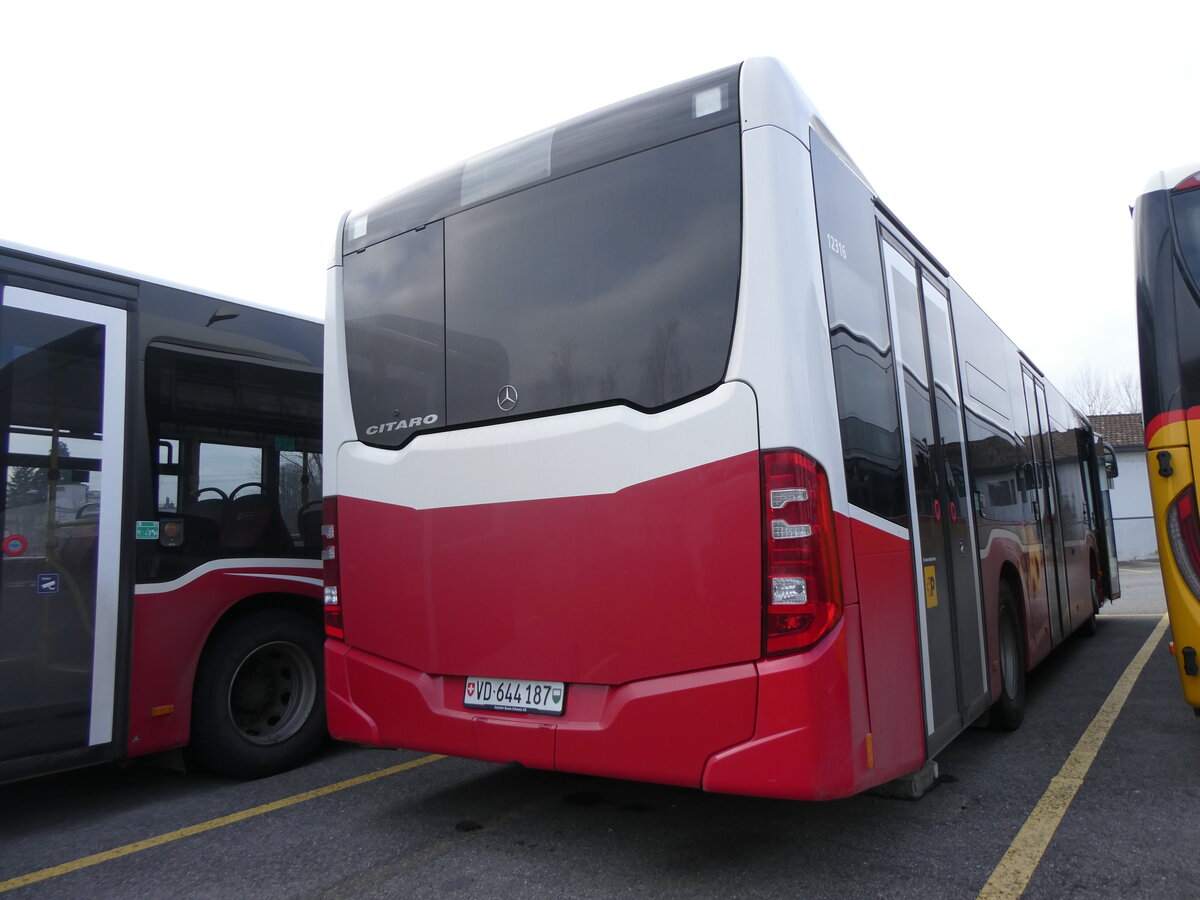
(912, 786)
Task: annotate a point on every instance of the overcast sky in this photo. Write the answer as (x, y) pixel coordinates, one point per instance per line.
(218, 144)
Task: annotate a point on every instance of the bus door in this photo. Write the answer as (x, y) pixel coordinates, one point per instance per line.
(62, 407)
(944, 554)
(1045, 510)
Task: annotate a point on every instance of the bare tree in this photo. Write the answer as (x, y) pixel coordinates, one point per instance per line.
(1129, 392)
(1099, 393)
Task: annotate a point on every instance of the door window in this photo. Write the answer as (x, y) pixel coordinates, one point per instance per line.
(62, 408)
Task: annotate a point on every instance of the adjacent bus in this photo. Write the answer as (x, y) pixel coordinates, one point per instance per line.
(160, 582)
(1166, 219)
(660, 449)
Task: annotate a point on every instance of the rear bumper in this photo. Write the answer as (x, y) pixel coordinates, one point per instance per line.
(660, 729)
(794, 727)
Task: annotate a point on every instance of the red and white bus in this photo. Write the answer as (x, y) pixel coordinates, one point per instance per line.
(159, 582)
(660, 449)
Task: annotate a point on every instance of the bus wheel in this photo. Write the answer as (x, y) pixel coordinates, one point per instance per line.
(259, 702)
(1009, 710)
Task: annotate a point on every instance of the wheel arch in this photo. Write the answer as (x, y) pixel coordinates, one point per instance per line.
(308, 606)
(1010, 575)
(174, 629)
(1008, 709)
(213, 667)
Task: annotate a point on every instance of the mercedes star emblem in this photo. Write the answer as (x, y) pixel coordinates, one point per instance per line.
(507, 398)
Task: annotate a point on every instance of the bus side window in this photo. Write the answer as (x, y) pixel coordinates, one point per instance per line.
(300, 496)
(167, 493)
(237, 459)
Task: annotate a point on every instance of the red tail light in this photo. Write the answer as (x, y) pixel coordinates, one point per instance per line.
(803, 589)
(330, 569)
(1183, 531)
(1192, 181)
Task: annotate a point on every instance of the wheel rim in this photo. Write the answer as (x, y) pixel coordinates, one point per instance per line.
(1008, 653)
(272, 693)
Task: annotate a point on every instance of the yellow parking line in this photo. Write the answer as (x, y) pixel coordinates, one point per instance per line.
(96, 858)
(1012, 875)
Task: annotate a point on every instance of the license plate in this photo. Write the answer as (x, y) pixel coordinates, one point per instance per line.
(515, 695)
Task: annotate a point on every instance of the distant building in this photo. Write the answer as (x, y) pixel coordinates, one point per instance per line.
(1133, 514)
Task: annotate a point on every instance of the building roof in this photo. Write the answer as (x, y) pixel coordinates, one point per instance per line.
(1123, 430)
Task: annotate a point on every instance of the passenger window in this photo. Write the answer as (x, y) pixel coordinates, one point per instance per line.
(300, 496)
(237, 466)
(230, 468)
(860, 339)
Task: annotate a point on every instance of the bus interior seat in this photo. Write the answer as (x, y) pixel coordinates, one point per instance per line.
(202, 520)
(308, 524)
(211, 508)
(253, 523)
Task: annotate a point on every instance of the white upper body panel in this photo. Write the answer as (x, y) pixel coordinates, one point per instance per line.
(337, 426)
(780, 355)
(1169, 178)
(599, 451)
(781, 335)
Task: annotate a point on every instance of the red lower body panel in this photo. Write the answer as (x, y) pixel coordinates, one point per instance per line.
(550, 588)
(794, 727)
(887, 608)
(170, 630)
(659, 729)
(812, 737)
(827, 722)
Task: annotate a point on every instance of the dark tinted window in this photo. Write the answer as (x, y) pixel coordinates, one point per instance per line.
(51, 394)
(997, 463)
(1168, 300)
(236, 460)
(616, 283)
(941, 341)
(908, 317)
(395, 335)
(1186, 210)
(863, 359)
(1178, 356)
(650, 120)
(170, 314)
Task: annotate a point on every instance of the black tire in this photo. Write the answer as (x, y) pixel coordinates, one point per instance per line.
(1008, 712)
(1092, 625)
(259, 701)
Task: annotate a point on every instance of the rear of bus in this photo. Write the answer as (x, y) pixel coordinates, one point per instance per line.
(587, 503)
(1167, 232)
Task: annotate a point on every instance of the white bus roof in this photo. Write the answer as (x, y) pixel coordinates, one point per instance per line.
(136, 276)
(771, 96)
(1168, 178)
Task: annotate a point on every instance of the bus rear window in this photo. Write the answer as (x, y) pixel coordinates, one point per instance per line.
(395, 335)
(614, 284)
(1186, 209)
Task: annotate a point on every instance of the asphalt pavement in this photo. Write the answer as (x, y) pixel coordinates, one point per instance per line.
(360, 822)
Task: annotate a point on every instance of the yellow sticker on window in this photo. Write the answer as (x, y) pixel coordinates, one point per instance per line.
(930, 587)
